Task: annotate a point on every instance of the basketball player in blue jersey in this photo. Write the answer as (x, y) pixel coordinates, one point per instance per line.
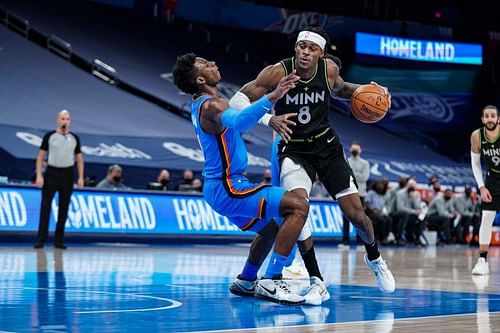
(313, 146)
(277, 216)
(485, 143)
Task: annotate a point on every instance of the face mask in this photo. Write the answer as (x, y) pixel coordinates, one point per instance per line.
(411, 189)
(354, 153)
(117, 179)
(267, 179)
(436, 189)
(165, 182)
(467, 193)
(447, 198)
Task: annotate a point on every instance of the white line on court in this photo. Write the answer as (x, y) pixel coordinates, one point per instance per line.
(174, 304)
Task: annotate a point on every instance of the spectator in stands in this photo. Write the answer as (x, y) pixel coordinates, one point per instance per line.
(197, 185)
(390, 195)
(360, 167)
(113, 180)
(390, 205)
(186, 181)
(318, 190)
(62, 148)
(406, 212)
(433, 179)
(435, 185)
(375, 209)
(465, 206)
(440, 215)
(266, 177)
(163, 182)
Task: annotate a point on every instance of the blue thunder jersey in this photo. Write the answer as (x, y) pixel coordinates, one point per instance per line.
(249, 206)
(228, 146)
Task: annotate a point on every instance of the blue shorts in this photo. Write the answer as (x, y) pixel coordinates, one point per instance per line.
(248, 205)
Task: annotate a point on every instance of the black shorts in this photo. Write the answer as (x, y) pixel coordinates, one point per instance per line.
(492, 183)
(323, 156)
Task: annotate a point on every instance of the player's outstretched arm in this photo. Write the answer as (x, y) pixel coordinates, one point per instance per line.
(267, 79)
(265, 82)
(248, 117)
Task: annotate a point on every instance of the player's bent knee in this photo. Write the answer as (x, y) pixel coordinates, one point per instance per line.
(294, 204)
(301, 207)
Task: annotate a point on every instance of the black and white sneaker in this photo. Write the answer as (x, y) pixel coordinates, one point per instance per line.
(277, 291)
(241, 287)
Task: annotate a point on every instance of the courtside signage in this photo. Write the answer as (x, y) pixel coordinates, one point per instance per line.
(142, 213)
(419, 50)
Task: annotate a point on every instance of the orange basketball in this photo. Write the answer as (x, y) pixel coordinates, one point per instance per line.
(369, 103)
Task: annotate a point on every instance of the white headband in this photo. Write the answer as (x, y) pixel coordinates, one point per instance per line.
(312, 37)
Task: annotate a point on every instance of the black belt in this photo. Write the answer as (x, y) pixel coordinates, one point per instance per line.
(312, 137)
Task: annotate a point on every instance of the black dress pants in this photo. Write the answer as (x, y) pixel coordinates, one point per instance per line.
(55, 180)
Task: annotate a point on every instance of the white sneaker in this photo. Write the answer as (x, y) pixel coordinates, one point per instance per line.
(385, 280)
(481, 268)
(295, 271)
(481, 281)
(277, 291)
(317, 292)
(242, 287)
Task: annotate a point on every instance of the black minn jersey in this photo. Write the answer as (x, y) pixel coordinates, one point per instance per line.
(310, 99)
(490, 151)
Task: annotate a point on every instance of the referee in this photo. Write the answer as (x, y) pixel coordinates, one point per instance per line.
(63, 148)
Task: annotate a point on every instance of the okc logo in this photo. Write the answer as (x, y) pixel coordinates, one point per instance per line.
(295, 20)
(431, 107)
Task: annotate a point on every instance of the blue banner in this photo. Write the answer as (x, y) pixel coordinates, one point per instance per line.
(142, 213)
(419, 50)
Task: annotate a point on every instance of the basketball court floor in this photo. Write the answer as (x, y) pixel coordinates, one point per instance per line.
(142, 288)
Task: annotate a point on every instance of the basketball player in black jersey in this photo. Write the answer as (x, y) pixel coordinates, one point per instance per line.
(485, 143)
(313, 146)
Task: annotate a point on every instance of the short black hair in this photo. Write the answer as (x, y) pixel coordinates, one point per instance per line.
(185, 72)
(489, 107)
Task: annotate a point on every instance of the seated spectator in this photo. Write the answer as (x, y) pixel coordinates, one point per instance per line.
(436, 186)
(113, 180)
(375, 210)
(439, 217)
(186, 181)
(390, 194)
(163, 182)
(197, 185)
(266, 177)
(407, 209)
(465, 206)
